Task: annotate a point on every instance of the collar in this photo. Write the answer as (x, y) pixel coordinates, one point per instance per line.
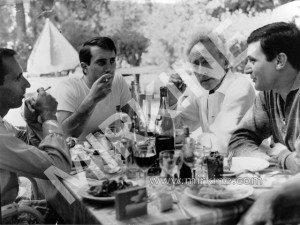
(296, 84)
(225, 83)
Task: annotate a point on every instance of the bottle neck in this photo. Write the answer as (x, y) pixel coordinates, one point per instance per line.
(163, 102)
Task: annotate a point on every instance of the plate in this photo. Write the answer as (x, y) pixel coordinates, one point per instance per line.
(248, 163)
(84, 194)
(240, 192)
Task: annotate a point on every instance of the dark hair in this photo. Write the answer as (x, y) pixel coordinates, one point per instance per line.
(5, 53)
(276, 38)
(102, 42)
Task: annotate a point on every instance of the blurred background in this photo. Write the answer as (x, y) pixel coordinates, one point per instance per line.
(150, 34)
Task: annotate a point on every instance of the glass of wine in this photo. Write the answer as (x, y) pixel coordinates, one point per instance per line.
(170, 162)
(144, 155)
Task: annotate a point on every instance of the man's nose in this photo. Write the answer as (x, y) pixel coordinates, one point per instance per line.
(248, 69)
(26, 83)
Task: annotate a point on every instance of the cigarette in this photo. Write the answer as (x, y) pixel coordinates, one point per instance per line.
(47, 88)
(38, 90)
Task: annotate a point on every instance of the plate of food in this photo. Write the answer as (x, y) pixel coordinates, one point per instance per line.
(248, 163)
(218, 195)
(79, 157)
(104, 191)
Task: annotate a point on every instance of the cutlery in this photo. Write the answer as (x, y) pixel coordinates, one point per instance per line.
(180, 206)
(234, 174)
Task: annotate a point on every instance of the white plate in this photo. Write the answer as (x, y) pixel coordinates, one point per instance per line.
(248, 163)
(83, 193)
(240, 192)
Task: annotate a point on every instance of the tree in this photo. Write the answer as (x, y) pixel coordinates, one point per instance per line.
(217, 7)
(131, 45)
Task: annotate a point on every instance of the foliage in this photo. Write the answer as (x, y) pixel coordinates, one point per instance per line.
(146, 34)
(131, 45)
(217, 7)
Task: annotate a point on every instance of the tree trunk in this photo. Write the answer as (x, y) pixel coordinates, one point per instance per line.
(20, 20)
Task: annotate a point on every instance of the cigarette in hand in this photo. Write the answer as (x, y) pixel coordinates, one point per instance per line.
(43, 89)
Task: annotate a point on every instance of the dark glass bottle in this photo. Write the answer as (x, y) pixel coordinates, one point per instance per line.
(185, 171)
(164, 130)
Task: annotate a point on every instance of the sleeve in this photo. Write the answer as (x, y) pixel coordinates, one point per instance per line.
(66, 96)
(291, 160)
(188, 113)
(125, 93)
(237, 101)
(18, 157)
(253, 129)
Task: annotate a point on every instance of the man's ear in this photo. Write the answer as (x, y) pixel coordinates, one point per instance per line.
(84, 67)
(281, 60)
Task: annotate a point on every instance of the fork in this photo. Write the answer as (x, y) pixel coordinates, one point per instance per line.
(234, 174)
(180, 206)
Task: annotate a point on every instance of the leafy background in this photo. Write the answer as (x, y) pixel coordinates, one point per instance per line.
(148, 33)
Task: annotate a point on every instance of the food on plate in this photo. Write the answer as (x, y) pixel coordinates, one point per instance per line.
(216, 191)
(79, 152)
(108, 187)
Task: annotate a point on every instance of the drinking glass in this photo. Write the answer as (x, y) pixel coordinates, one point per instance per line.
(191, 158)
(170, 162)
(114, 134)
(144, 156)
(204, 146)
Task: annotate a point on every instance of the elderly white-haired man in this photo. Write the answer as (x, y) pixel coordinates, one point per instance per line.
(226, 96)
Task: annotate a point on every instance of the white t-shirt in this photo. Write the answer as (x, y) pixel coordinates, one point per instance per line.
(71, 92)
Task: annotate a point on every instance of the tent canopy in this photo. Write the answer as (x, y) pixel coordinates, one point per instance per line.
(52, 52)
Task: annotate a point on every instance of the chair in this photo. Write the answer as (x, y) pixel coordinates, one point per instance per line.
(14, 212)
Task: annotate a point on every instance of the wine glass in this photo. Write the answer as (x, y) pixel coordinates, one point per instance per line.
(191, 158)
(144, 155)
(114, 133)
(204, 144)
(170, 162)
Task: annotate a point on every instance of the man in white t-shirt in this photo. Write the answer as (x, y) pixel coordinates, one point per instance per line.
(225, 96)
(85, 103)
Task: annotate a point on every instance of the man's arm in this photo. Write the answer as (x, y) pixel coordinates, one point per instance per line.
(74, 122)
(278, 206)
(237, 101)
(188, 113)
(286, 158)
(18, 157)
(253, 129)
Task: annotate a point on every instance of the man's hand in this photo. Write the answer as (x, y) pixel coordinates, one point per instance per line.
(275, 151)
(260, 213)
(101, 87)
(45, 106)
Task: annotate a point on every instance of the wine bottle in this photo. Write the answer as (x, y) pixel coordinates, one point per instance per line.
(134, 113)
(164, 130)
(185, 171)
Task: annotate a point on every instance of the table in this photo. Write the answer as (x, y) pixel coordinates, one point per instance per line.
(87, 212)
